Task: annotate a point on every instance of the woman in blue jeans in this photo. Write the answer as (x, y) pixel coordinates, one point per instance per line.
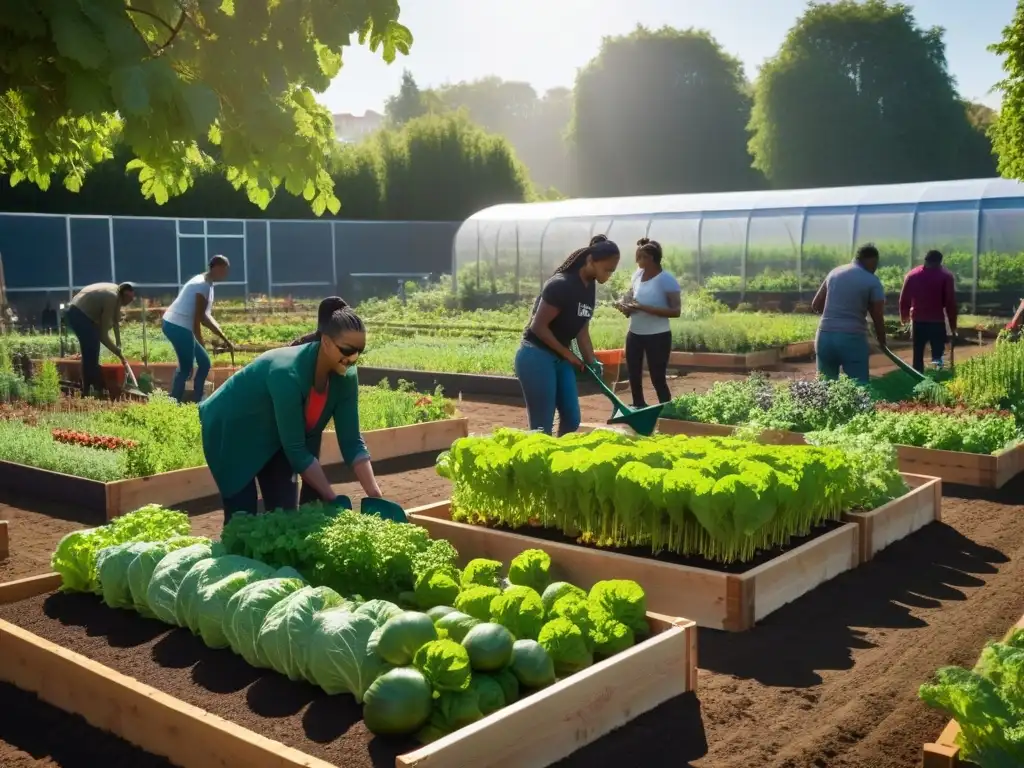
(545, 365)
(183, 323)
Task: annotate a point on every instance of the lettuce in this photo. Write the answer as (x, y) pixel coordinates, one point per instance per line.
(530, 569)
(624, 601)
(520, 610)
(445, 664)
(566, 646)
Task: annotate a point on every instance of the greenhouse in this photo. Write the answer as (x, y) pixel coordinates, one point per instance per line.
(766, 248)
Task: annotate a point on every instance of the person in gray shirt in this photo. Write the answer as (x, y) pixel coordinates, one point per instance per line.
(848, 294)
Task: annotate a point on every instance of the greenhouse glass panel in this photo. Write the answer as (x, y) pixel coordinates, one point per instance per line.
(827, 244)
(530, 275)
(1001, 258)
(563, 236)
(773, 253)
(625, 232)
(466, 252)
(951, 228)
(680, 244)
(723, 240)
(891, 230)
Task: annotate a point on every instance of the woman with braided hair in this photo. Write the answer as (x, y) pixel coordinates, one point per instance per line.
(264, 426)
(545, 365)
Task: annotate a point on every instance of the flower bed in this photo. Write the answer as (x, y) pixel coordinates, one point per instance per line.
(977, 695)
(714, 525)
(466, 686)
(973, 446)
(165, 461)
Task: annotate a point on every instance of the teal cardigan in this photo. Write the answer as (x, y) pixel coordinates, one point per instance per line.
(261, 410)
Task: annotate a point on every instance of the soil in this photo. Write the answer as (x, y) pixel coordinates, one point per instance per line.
(829, 681)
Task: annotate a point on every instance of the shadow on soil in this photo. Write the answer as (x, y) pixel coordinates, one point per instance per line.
(45, 733)
(817, 631)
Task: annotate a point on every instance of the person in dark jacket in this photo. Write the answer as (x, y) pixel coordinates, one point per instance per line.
(264, 425)
(928, 299)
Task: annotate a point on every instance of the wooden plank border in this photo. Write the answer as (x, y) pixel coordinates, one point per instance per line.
(722, 361)
(713, 599)
(537, 731)
(5, 541)
(900, 517)
(977, 469)
(944, 751)
(185, 485)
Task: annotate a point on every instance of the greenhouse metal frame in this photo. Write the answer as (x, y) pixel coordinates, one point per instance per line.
(765, 247)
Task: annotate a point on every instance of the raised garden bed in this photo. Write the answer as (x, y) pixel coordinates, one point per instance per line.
(720, 361)
(536, 731)
(70, 369)
(944, 751)
(978, 469)
(798, 350)
(900, 517)
(111, 499)
(5, 541)
(715, 597)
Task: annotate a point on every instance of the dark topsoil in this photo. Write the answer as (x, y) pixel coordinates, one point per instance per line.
(828, 681)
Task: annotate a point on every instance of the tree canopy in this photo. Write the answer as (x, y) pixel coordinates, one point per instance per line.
(661, 111)
(859, 94)
(407, 104)
(169, 79)
(1008, 130)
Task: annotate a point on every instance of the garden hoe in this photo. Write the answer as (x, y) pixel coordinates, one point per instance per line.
(389, 510)
(641, 420)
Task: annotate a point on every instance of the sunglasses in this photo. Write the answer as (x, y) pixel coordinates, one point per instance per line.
(347, 350)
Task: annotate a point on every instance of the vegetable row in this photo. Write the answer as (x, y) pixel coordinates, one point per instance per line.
(719, 498)
(457, 647)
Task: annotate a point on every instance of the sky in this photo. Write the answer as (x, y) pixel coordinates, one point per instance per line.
(544, 42)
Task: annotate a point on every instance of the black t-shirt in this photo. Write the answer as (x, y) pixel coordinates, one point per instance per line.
(575, 302)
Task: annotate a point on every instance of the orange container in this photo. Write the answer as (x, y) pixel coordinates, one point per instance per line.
(609, 356)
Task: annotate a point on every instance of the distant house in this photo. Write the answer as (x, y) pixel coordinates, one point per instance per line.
(352, 128)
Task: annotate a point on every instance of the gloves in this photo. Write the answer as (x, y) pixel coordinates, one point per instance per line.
(342, 502)
(597, 367)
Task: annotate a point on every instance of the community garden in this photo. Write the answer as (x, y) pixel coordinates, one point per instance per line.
(543, 600)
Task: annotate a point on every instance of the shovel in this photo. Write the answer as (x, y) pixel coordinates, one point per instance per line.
(643, 421)
(132, 384)
(389, 510)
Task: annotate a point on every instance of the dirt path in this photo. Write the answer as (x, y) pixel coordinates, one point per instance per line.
(830, 680)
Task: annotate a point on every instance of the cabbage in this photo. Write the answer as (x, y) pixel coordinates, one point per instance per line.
(490, 694)
(403, 635)
(141, 570)
(112, 567)
(283, 640)
(456, 625)
(162, 593)
(246, 611)
(206, 589)
(452, 710)
(339, 659)
(397, 703)
(379, 610)
(532, 665)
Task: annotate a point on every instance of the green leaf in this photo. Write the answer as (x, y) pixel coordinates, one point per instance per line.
(74, 36)
(130, 90)
(319, 205)
(203, 106)
(227, 7)
(333, 204)
(330, 61)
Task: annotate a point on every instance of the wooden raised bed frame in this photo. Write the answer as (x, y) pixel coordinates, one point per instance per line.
(978, 469)
(5, 542)
(536, 731)
(722, 361)
(184, 485)
(713, 599)
(944, 752)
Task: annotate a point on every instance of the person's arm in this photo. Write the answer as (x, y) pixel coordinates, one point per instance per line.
(949, 299)
(674, 306)
(1018, 317)
(877, 309)
(204, 318)
(906, 299)
(350, 439)
(818, 302)
(541, 326)
(287, 399)
(107, 321)
(586, 345)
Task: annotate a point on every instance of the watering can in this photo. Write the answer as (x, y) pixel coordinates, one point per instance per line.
(643, 421)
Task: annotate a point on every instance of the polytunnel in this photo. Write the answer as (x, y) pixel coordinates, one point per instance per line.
(764, 247)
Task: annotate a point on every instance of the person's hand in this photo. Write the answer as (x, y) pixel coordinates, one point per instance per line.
(881, 339)
(575, 362)
(228, 345)
(597, 367)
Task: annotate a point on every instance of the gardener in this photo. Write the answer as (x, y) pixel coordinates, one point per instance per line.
(545, 366)
(929, 298)
(182, 325)
(264, 426)
(844, 299)
(95, 311)
(653, 298)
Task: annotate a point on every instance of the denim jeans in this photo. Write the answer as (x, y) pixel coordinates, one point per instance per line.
(89, 345)
(277, 484)
(549, 385)
(848, 351)
(190, 354)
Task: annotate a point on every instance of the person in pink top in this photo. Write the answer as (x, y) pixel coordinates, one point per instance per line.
(928, 299)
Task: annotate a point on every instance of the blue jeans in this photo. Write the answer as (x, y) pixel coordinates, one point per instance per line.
(549, 385)
(848, 351)
(190, 354)
(89, 345)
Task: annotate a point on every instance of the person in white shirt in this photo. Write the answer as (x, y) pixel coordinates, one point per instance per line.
(182, 325)
(653, 298)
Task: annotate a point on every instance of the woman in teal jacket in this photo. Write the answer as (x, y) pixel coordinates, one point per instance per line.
(263, 427)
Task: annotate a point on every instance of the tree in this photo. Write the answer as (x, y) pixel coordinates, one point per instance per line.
(1008, 130)
(535, 126)
(407, 104)
(859, 94)
(168, 79)
(661, 111)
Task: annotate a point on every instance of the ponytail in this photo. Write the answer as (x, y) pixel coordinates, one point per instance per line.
(652, 247)
(333, 316)
(600, 248)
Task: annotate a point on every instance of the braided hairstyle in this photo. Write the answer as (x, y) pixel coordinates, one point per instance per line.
(650, 247)
(600, 248)
(333, 317)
